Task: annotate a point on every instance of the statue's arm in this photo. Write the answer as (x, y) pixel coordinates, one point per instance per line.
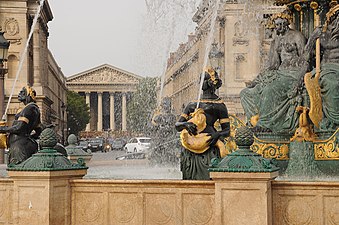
(18, 128)
(300, 42)
(273, 56)
(225, 125)
(224, 121)
(37, 131)
(308, 50)
(183, 123)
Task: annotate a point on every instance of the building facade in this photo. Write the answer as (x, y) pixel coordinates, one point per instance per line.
(38, 66)
(107, 90)
(239, 48)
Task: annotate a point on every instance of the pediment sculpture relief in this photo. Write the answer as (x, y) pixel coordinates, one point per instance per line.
(105, 75)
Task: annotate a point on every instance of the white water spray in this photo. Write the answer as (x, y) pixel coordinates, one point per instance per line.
(168, 22)
(208, 45)
(23, 55)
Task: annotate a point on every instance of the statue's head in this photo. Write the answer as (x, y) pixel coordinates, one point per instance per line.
(166, 104)
(27, 94)
(211, 80)
(282, 21)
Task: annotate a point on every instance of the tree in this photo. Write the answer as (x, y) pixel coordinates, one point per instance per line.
(78, 114)
(141, 106)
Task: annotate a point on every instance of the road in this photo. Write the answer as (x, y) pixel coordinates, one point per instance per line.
(105, 166)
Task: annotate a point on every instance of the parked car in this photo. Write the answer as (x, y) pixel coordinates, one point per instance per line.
(139, 144)
(118, 144)
(96, 144)
(84, 145)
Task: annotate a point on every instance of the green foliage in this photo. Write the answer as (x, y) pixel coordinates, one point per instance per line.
(78, 114)
(141, 106)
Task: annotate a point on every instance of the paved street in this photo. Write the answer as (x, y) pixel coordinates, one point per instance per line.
(105, 166)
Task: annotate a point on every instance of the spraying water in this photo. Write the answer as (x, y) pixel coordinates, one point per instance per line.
(22, 56)
(208, 44)
(167, 24)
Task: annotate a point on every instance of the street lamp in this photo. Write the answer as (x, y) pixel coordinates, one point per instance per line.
(4, 45)
(63, 108)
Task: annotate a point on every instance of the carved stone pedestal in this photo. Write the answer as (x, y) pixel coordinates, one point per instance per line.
(243, 178)
(43, 197)
(243, 198)
(41, 185)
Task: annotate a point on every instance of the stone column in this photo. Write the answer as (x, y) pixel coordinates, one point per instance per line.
(99, 127)
(124, 113)
(111, 111)
(88, 102)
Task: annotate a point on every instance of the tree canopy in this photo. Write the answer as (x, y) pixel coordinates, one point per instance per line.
(142, 105)
(78, 114)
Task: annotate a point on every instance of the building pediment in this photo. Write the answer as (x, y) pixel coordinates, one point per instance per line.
(104, 74)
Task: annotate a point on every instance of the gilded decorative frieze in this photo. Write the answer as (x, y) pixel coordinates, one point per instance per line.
(270, 149)
(327, 149)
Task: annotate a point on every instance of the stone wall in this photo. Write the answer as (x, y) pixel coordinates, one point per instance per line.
(6, 199)
(142, 202)
(180, 202)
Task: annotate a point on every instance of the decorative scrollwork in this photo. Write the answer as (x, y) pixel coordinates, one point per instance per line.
(271, 150)
(327, 149)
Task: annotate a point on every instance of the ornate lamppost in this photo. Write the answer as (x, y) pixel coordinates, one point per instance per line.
(4, 45)
(63, 108)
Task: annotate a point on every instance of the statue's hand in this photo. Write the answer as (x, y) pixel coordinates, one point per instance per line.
(250, 84)
(214, 138)
(317, 32)
(3, 129)
(191, 128)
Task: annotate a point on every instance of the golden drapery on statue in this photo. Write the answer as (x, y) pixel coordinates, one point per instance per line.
(313, 89)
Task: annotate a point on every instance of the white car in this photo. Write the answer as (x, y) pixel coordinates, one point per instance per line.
(139, 144)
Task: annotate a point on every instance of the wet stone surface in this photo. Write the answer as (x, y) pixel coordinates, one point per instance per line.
(106, 166)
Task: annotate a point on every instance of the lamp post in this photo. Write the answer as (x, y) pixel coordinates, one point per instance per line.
(63, 108)
(4, 45)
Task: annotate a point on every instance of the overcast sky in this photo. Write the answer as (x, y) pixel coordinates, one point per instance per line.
(127, 34)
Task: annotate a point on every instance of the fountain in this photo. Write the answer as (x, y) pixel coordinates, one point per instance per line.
(242, 189)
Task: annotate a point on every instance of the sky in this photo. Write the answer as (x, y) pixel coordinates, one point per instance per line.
(133, 35)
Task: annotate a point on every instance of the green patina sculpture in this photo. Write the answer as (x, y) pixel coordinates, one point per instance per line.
(272, 99)
(164, 148)
(47, 159)
(243, 160)
(329, 68)
(75, 152)
(271, 95)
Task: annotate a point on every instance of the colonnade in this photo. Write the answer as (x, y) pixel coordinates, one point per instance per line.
(112, 117)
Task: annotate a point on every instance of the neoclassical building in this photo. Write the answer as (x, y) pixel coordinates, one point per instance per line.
(107, 90)
(39, 68)
(239, 47)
